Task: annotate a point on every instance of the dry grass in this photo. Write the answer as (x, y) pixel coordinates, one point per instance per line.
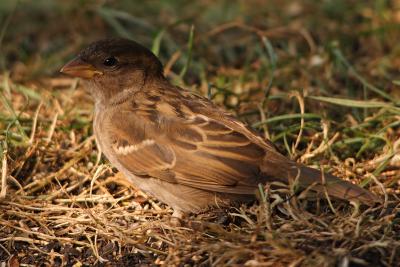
(324, 91)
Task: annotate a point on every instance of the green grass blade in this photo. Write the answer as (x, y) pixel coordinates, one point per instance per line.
(339, 55)
(189, 57)
(287, 117)
(273, 58)
(157, 42)
(354, 103)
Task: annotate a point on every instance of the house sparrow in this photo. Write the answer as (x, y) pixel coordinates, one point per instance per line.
(178, 146)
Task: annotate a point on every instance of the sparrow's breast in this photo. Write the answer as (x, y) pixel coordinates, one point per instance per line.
(97, 122)
(101, 128)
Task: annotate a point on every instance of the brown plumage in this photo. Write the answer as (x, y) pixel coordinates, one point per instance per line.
(179, 146)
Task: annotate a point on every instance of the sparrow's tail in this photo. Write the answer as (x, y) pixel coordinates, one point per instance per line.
(320, 182)
(335, 187)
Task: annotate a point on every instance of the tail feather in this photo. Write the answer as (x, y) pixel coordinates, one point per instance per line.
(281, 168)
(335, 187)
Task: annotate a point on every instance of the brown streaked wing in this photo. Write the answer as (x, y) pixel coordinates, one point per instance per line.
(198, 151)
(134, 145)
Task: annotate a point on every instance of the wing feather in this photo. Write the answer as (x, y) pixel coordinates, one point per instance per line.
(192, 149)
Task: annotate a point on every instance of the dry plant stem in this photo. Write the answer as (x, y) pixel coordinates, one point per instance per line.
(24, 239)
(93, 199)
(52, 128)
(16, 182)
(382, 187)
(326, 192)
(5, 250)
(97, 173)
(3, 191)
(171, 62)
(43, 236)
(72, 187)
(38, 184)
(263, 118)
(34, 123)
(94, 248)
(308, 37)
(300, 99)
(267, 210)
(324, 145)
(392, 151)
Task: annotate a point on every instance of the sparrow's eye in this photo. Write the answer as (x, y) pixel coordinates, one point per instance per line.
(111, 61)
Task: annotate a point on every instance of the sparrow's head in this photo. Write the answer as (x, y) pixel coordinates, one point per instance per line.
(113, 65)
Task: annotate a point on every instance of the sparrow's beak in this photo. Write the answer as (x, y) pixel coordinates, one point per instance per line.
(79, 68)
